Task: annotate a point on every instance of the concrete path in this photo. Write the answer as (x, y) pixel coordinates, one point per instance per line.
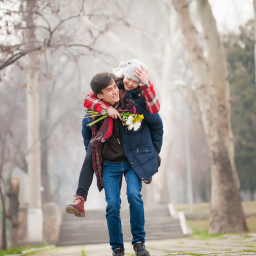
(227, 245)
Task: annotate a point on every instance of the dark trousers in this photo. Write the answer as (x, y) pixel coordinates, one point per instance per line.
(86, 174)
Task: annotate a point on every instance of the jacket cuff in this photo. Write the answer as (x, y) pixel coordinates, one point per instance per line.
(104, 108)
(145, 86)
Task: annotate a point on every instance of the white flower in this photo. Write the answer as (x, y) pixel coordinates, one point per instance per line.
(137, 125)
(129, 120)
(131, 126)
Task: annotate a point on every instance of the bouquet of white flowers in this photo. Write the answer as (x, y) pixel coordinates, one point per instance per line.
(132, 121)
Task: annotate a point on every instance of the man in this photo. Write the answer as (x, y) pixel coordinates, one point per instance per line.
(124, 153)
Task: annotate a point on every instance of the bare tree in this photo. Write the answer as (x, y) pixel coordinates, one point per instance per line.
(10, 156)
(53, 27)
(3, 139)
(226, 210)
(51, 95)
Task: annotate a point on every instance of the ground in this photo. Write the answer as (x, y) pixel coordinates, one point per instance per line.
(224, 245)
(200, 243)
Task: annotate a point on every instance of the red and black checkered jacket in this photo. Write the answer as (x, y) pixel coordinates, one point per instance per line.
(147, 93)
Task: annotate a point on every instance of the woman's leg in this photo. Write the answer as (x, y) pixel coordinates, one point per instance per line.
(86, 175)
(85, 181)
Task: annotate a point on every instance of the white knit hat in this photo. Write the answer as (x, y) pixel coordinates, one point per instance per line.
(126, 68)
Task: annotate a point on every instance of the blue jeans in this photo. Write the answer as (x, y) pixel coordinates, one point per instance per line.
(112, 181)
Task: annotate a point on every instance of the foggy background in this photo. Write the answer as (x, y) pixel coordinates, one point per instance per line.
(152, 35)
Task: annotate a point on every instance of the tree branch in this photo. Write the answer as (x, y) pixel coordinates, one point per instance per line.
(40, 14)
(17, 56)
(36, 26)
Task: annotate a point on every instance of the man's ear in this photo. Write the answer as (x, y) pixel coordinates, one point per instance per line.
(100, 96)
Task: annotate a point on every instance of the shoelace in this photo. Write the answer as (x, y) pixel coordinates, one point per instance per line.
(77, 199)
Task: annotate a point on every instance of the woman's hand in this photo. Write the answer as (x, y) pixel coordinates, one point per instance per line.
(141, 74)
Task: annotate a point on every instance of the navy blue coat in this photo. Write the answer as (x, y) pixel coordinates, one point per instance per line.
(86, 131)
(138, 145)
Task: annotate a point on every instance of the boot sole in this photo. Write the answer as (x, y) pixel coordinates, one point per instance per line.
(148, 181)
(71, 210)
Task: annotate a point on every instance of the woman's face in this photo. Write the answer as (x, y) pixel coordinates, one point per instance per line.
(130, 84)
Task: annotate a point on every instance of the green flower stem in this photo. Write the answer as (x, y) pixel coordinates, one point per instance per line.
(91, 116)
(95, 115)
(93, 112)
(96, 121)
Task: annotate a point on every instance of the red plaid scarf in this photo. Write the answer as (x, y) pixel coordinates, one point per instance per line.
(101, 135)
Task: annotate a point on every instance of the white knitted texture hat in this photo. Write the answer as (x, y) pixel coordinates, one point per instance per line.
(128, 68)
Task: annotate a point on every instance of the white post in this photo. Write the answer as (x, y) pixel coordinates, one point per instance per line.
(35, 216)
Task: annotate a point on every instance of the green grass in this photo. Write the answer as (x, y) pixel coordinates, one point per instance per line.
(40, 251)
(192, 253)
(151, 248)
(204, 235)
(248, 250)
(83, 253)
(19, 250)
(200, 229)
(12, 251)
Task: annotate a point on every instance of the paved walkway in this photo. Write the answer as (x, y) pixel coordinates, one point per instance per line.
(227, 245)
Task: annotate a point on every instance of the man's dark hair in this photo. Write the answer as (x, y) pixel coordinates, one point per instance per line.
(100, 81)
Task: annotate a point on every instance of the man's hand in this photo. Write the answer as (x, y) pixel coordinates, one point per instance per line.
(141, 74)
(112, 112)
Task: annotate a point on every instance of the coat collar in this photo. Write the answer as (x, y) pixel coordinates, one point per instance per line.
(133, 94)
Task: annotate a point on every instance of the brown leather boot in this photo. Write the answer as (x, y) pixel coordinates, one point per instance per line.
(77, 207)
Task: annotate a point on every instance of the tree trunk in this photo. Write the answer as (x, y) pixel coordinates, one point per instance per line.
(254, 8)
(46, 194)
(4, 242)
(219, 78)
(13, 195)
(226, 213)
(35, 220)
(218, 73)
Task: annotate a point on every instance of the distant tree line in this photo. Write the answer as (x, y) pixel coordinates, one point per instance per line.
(240, 57)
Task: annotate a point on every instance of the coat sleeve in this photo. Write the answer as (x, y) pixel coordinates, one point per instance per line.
(94, 104)
(150, 98)
(155, 125)
(86, 131)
